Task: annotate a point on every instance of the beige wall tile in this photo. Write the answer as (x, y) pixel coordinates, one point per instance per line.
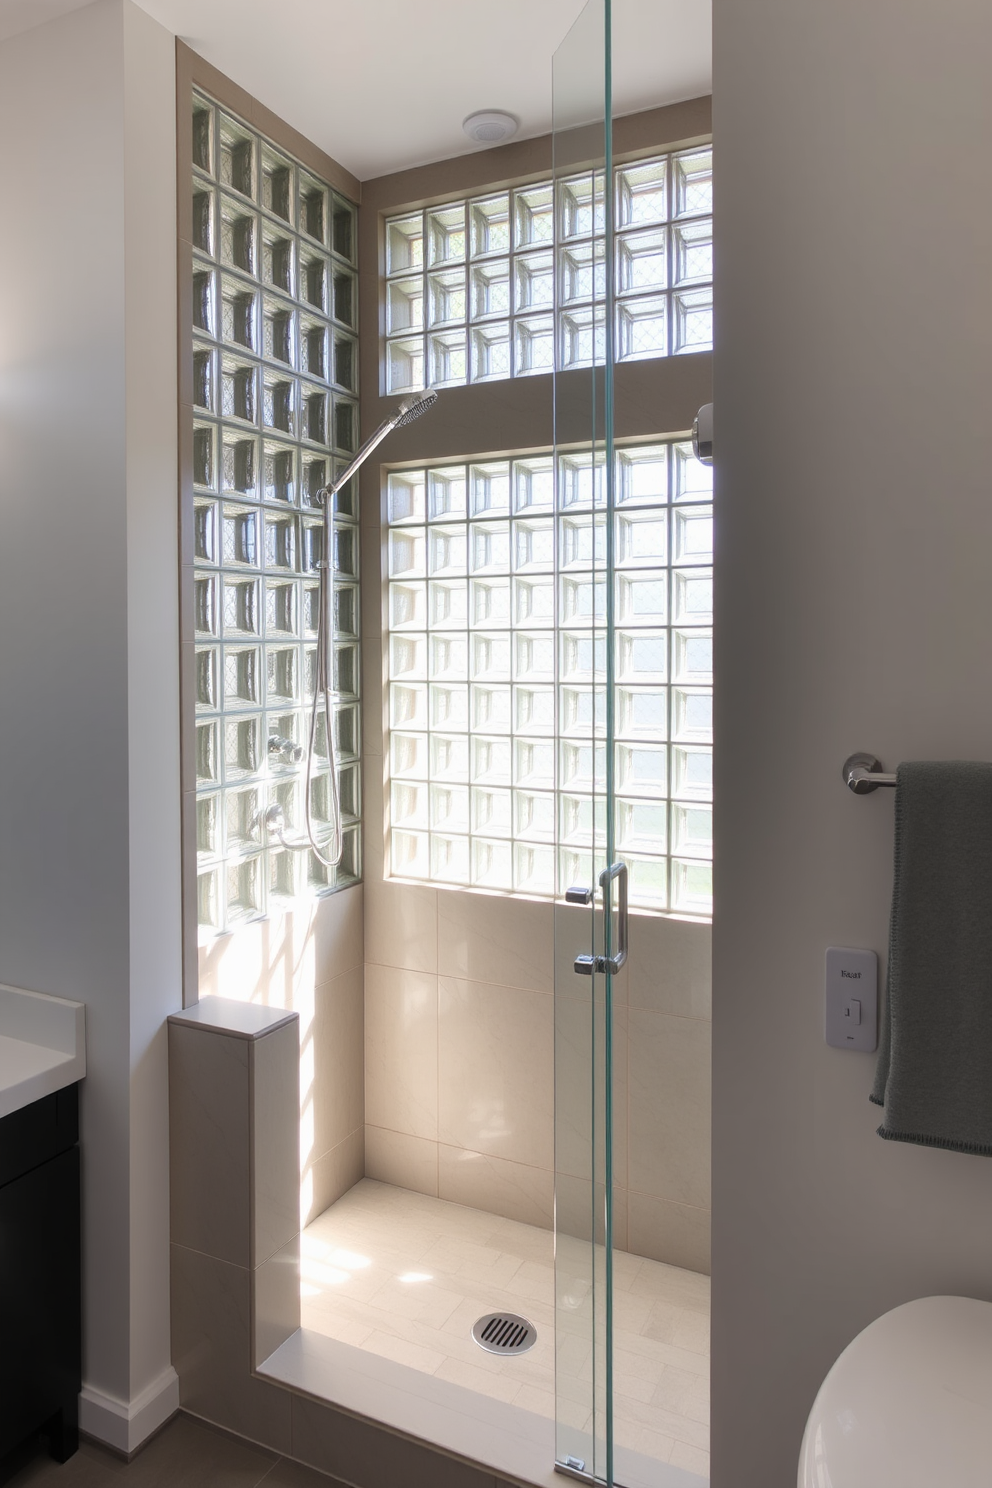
(373, 834)
(211, 1351)
(396, 1157)
(668, 969)
(327, 1177)
(275, 1065)
(373, 688)
(276, 1300)
(401, 1050)
(495, 1185)
(333, 1072)
(338, 933)
(669, 1111)
(486, 937)
(210, 1143)
(361, 1453)
(496, 1070)
(401, 926)
(574, 1117)
(678, 1234)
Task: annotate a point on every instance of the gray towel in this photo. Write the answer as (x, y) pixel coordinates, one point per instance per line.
(934, 1074)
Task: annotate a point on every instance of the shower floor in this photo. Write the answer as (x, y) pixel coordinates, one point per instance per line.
(405, 1276)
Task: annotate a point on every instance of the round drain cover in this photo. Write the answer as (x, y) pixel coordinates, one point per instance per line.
(504, 1333)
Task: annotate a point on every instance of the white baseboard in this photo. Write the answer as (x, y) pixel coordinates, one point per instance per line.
(122, 1424)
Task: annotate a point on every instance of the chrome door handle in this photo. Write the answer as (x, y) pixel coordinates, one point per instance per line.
(616, 871)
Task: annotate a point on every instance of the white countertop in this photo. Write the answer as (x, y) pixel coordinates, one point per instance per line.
(42, 1046)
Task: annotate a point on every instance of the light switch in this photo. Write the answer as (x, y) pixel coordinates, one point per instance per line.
(852, 999)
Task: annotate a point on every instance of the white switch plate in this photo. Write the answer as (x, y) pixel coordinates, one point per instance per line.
(852, 999)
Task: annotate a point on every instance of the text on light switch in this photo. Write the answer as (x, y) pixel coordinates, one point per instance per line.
(851, 1020)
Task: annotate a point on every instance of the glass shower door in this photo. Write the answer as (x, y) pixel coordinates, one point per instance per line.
(590, 910)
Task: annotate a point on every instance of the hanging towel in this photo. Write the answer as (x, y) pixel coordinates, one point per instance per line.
(934, 1075)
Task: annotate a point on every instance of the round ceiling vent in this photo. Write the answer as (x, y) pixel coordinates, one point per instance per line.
(489, 127)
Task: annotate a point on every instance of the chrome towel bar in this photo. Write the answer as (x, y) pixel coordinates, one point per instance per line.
(863, 773)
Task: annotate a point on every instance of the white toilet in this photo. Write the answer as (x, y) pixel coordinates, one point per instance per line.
(908, 1404)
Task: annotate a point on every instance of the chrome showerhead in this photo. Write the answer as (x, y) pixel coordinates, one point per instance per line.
(412, 408)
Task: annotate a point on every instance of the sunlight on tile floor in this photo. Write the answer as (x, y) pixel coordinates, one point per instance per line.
(406, 1276)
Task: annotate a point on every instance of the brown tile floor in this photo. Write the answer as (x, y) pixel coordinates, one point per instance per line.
(185, 1454)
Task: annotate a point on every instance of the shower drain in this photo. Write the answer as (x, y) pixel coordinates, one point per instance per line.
(504, 1333)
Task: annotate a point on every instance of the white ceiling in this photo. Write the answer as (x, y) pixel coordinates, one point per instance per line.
(384, 84)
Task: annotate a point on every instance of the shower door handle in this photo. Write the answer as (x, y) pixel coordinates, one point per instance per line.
(587, 965)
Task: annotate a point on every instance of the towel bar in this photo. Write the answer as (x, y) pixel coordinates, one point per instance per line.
(863, 773)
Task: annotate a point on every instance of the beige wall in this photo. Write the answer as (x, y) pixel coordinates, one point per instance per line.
(854, 610)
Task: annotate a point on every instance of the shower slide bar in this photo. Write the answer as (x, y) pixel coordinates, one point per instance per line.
(863, 773)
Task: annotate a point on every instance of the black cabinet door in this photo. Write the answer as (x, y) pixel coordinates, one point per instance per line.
(39, 1296)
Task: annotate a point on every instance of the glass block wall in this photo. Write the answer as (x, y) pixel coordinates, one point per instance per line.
(471, 285)
(495, 615)
(275, 379)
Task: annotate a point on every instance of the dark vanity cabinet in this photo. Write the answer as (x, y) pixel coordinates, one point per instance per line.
(40, 1371)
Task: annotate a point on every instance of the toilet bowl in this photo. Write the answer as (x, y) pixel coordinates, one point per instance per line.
(908, 1404)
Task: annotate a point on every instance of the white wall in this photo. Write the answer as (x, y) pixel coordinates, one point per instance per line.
(854, 405)
(89, 774)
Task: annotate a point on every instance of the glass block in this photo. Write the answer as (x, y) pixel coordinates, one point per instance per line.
(642, 261)
(491, 760)
(205, 545)
(449, 757)
(203, 135)
(648, 882)
(583, 655)
(533, 656)
(447, 551)
(582, 272)
(534, 763)
(245, 888)
(693, 535)
(446, 234)
(490, 656)
(404, 243)
(343, 234)
(209, 900)
(534, 815)
(279, 402)
(581, 480)
(345, 551)
(449, 858)
(408, 756)
(533, 345)
(489, 289)
(239, 390)
(205, 618)
(582, 541)
(489, 601)
(533, 869)
(583, 336)
(448, 657)
(641, 713)
(407, 556)
(280, 541)
(642, 475)
(207, 671)
(534, 484)
(489, 548)
(345, 369)
(408, 804)
(489, 488)
(311, 543)
(446, 492)
(693, 183)
(350, 791)
(315, 407)
(315, 279)
(642, 195)
(203, 379)
(692, 596)
(447, 604)
(242, 747)
(534, 601)
(582, 765)
(534, 282)
(240, 602)
(310, 608)
(278, 267)
(282, 674)
(492, 812)
(278, 180)
(641, 538)
(533, 545)
(490, 708)
(278, 330)
(692, 656)
(692, 830)
(492, 864)
(204, 301)
(279, 481)
(316, 474)
(345, 296)
(692, 715)
(642, 597)
(281, 608)
(490, 351)
(693, 480)
(642, 769)
(237, 156)
(242, 676)
(407, 606)
(208, 752)
(348, 731)
(533, 710)
(208, 826)
(642, 328)
(405, 365)
(448, 706)
(692, 887)
(580, 205)
(692, 772)
(314, 208)
(693, 251)
(533, 212)
(238, 236)
(447, 359)
(204, 212)
(406, 496)
(692, 320)
(408, 705)
(408, 658)
(583, 600)
(641, 656)
(489, 221)
(581, 819)
(582, 711)
(641, 826)
(285, 874)
(578, 865)
(239, 526)
(405, 305)
(242, 815)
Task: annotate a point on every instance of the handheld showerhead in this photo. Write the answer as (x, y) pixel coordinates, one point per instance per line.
(412, 408)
